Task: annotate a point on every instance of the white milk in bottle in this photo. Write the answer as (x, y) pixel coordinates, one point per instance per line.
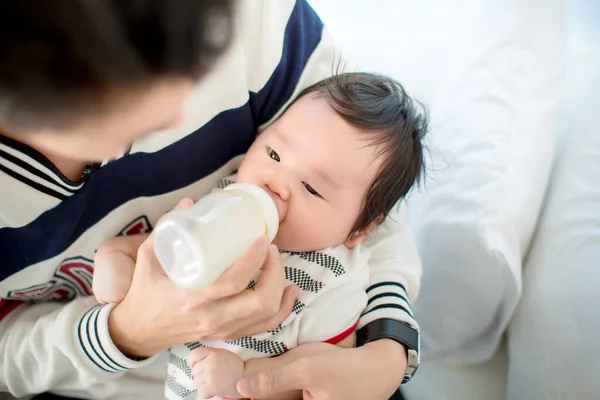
(195, 245)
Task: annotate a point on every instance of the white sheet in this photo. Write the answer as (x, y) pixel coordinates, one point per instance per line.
(424, 44)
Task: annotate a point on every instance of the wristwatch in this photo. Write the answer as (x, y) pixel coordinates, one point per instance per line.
(398, 331)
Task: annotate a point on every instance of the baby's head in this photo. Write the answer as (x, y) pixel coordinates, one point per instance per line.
(338, 160)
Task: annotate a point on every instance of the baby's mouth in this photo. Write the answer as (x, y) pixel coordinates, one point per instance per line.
(278, 203)
(279, 209)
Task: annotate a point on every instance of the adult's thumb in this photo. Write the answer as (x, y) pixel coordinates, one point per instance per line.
(186, 202)
(269, 383)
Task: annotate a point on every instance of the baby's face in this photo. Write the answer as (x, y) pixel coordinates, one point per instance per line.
(317, 168)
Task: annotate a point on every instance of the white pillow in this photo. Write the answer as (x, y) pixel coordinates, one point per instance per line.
(492, 140)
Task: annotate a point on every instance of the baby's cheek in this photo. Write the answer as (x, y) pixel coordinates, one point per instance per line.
(307, 235)
(291, 237)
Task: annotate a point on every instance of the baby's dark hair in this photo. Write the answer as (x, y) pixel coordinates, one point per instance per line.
(393, 121)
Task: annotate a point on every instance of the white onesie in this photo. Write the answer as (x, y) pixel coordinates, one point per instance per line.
(331, 299)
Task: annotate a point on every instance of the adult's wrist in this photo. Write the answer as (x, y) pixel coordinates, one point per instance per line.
(400, 332)
(126, 336)
(97, 346)
(390, 353)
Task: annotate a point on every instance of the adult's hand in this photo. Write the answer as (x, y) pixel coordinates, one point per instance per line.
(157, 314)
(373, 371)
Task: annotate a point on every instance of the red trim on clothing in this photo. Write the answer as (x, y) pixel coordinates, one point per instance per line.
(6, 306)
(338, 338)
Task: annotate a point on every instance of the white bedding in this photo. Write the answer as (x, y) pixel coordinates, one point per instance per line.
(495, 124)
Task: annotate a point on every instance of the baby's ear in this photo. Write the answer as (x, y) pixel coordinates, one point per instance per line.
(357, 237)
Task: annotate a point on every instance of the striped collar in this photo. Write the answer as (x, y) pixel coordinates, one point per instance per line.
(32, 168)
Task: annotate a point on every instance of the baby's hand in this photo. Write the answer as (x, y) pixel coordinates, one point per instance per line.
(216, 372)
(109, 286)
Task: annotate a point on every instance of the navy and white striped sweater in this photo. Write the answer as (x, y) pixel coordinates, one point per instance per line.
(50, 227)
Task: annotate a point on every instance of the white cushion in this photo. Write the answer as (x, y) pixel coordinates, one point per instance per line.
(493, 138)
(554, 346)
(438, 380)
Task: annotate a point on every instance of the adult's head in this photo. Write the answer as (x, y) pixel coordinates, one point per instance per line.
(83, 78)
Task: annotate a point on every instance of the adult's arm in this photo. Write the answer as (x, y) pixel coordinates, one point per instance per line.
(57, 346)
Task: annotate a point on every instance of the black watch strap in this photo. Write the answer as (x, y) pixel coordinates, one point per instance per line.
(398, 331)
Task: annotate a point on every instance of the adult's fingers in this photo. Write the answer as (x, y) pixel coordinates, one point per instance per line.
(271, 285)
(261, 305)
(286, 307)
(237, 318)
(186, 202)
(271, 281)
(235, 278)
(294, 376)
(268, 290)
(147, 263)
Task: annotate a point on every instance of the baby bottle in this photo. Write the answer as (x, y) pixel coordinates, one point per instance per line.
(195, 245)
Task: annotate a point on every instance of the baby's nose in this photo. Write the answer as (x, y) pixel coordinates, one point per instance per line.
(278, 186)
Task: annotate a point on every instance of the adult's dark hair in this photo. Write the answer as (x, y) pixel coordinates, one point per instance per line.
(60, 58)
(392, 121)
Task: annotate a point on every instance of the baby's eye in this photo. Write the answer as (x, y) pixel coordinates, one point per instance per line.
(273, 154)
(311, 190)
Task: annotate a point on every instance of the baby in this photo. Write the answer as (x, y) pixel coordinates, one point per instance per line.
(335, 163)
